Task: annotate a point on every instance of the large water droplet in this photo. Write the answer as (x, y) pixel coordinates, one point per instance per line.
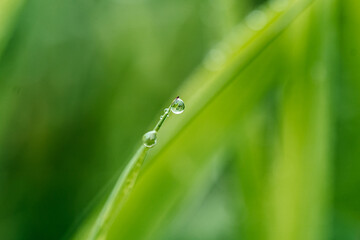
(149, 138)
(177, 106)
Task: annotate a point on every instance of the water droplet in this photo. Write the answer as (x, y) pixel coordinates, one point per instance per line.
(177, 106)
(256, 20)
(166, 110)
(149, 138)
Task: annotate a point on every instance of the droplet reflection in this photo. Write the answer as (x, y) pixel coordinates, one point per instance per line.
(177, 106)
(150, 138)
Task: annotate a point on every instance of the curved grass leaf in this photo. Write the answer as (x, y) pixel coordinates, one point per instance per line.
(118, 195)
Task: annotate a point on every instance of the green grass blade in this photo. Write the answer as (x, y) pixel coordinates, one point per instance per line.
(118, 195)
(125, 183)
(300, 183)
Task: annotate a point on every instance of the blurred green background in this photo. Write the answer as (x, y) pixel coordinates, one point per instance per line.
(272, 154)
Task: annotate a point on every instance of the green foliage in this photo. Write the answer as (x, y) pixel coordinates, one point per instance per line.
(266, 148)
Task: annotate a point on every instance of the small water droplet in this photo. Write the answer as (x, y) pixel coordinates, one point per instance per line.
(149, 138)
(177, 106)
(256, 20)
(166, 110)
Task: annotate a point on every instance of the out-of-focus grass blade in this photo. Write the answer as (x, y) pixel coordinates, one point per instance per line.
(253, 142)
(180, 223)
(301, 171)
(347, 164)
(8, 10)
